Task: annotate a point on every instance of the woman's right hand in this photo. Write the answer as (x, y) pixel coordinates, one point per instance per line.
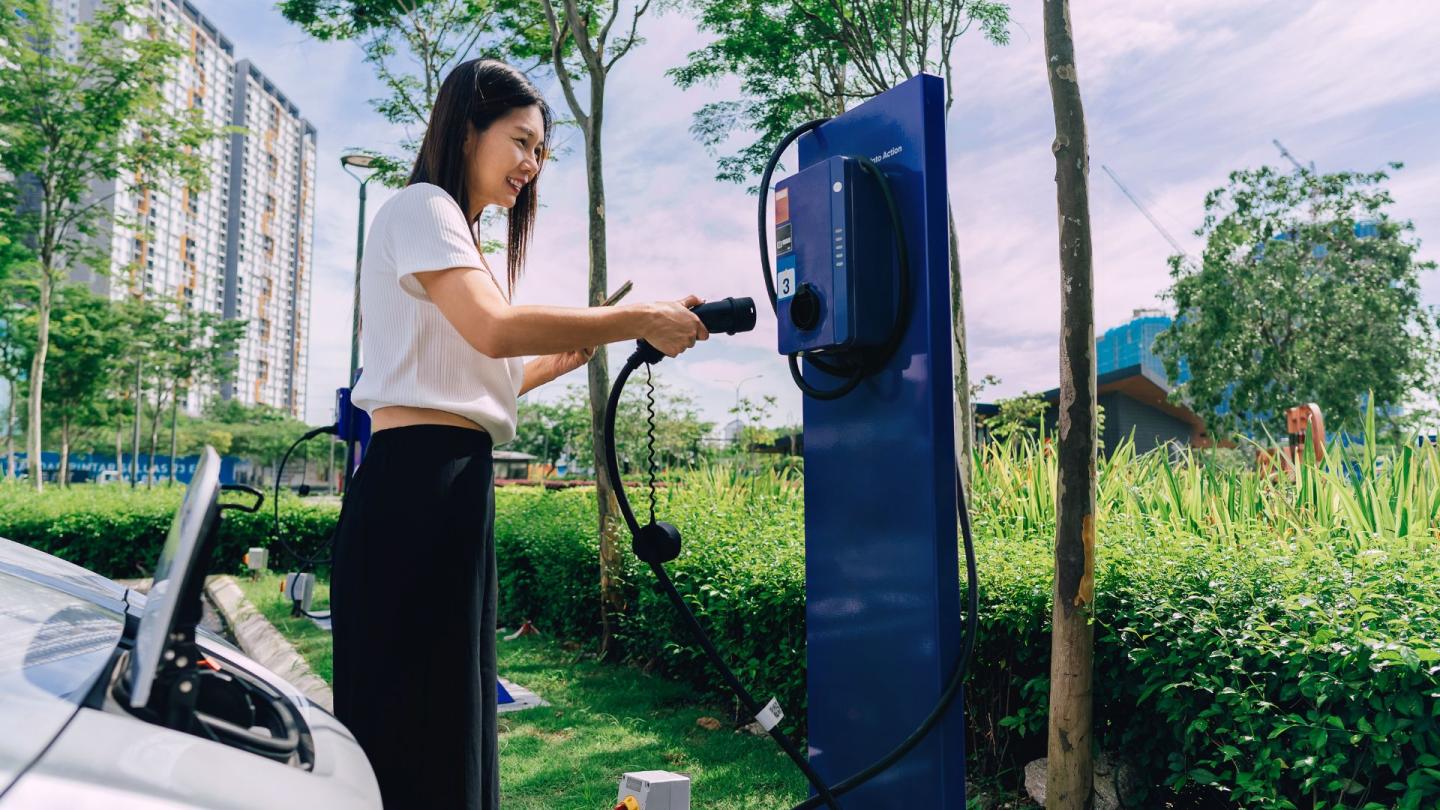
(672, 327)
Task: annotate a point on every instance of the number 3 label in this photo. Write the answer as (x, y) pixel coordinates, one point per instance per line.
(785, 280)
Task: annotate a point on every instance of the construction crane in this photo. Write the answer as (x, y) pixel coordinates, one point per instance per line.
(1285, 153)
(1174, 243)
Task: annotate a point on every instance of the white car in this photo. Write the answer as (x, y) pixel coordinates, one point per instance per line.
(112, 699)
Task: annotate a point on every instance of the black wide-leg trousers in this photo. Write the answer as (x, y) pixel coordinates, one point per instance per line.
(413, 593)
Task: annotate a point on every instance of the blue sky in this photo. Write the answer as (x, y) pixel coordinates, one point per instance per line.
(1178, 93)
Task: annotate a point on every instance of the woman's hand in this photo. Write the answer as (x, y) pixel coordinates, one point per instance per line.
(673, 327)
(569, 361)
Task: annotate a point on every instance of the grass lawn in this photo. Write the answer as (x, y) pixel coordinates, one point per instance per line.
(603, 720)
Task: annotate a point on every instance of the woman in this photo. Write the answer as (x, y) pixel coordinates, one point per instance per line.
(413, 586)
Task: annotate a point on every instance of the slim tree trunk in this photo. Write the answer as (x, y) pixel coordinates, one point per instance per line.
(63, 479)
(154, 434)
(135, 431)
(576, 29)
(174, 416)
(598, 377)
(119, 457)
(960, 359)
(1069, 777)
(37, 380)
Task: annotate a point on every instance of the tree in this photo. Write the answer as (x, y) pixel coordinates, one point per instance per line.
(799, 61)
(204, 353)
(678, 430)
(17, 297)
(413, 44)
(84, 341)
(1023, 415)
(143, 324)
(436, 33)
(752, 416)
(260, 433)
(550, 430)
(1308, 291)
(583, 28)
(68, 124)
(1069, 775)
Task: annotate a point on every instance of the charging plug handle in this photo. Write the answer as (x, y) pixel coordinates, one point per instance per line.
(730, 315)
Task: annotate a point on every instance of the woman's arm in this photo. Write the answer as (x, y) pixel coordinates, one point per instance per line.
(472, 303)
(546, 369)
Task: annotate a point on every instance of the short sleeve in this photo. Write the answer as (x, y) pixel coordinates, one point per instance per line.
(428, 232)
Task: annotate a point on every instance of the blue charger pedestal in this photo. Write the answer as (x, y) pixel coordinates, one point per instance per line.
(883, 606)
(353, 423)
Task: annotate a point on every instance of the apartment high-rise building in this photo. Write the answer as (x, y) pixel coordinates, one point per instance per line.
(240, 247)
(267, 259)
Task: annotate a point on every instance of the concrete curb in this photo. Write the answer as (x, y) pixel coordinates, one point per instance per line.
(261, 641)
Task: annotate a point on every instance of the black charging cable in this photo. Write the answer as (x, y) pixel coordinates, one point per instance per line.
(855, 366)
(657, 543)
(305, 561)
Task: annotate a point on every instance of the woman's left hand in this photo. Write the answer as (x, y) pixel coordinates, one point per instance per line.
(569, 361)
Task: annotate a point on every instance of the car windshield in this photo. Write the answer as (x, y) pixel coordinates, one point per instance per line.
(53, 646)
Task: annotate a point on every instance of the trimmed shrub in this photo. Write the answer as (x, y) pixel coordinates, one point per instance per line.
(118, 532)
(1274, 639)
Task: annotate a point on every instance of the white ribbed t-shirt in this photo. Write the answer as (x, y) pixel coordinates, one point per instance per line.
(411, 354)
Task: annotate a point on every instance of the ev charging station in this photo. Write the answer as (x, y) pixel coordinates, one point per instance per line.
(882, 605)
(861, 292)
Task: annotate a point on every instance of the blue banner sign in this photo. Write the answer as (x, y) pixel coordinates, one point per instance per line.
(86, 467)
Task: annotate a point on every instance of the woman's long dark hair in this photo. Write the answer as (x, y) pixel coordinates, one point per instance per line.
(476, 93)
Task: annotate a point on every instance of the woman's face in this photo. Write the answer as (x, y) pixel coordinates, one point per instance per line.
(504, 158)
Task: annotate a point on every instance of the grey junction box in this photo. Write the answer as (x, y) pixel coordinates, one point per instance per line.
(654, 790)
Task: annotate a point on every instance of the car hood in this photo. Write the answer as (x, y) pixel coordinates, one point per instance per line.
(57, 634)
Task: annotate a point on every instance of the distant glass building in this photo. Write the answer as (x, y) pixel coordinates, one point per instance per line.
(1133, 344)
(1132, 387)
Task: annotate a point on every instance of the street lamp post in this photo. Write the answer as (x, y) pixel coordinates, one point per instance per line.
(351, 163)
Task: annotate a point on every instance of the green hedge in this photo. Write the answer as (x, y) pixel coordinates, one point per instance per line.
(118, 532)
(743, 572)
(1294, 673)
(1294, 668)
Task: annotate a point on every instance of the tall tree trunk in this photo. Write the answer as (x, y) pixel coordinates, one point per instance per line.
(598, 377)
(119, 457)
(960, 359)
(174, 416)
(37, 380)
(63, 478)
(154, 434)
(1072, 645)
(135, 427)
